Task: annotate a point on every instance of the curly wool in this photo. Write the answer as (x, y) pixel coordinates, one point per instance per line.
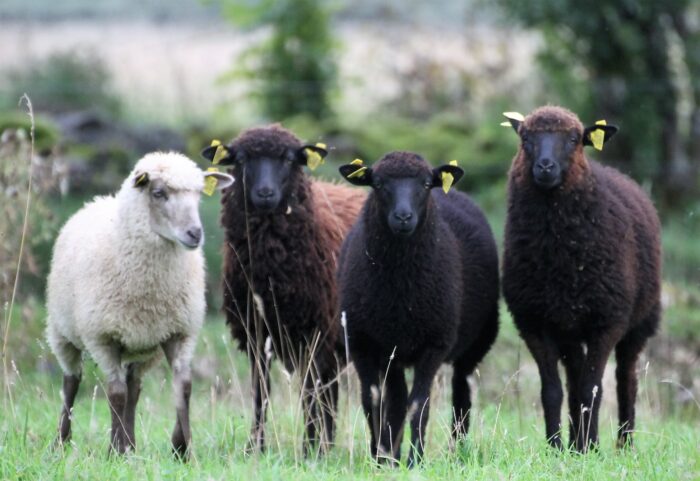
(288, 258)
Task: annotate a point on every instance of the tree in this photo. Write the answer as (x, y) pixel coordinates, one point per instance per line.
(293, 70)
(636, 62)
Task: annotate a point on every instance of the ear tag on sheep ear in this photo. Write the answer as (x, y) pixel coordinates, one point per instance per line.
(141, 180)
(514, 116)
(447, 178)
(220, 152)
(359, 172)
(598, 136)
(313, 158)
(210, 182)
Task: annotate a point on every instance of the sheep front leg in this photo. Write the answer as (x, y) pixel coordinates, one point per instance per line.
(367, 368)
(419, 400)
(591, 388)
(178, 352)
(133, 384)
(546, 355)
(71, 383)
(260, 380)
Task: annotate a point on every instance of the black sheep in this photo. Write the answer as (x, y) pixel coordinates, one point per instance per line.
(581, 270)
(283, 234)
(418, 282)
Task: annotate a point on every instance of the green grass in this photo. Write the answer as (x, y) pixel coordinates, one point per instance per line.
(506, 440)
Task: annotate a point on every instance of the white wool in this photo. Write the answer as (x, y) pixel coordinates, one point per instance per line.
(113, 281)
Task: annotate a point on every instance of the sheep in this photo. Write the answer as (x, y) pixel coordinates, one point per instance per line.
(418, 278)
(283, 233)
(127, 277)
(581, 270)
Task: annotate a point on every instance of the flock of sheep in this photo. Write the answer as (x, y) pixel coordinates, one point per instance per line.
(403, 276)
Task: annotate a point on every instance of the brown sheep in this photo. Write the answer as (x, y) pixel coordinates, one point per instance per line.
(283, 233)
(581, 270)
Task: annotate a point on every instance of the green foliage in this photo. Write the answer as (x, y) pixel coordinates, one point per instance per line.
(63, 81)
(15, 164)
(627, 62)
(292, 71)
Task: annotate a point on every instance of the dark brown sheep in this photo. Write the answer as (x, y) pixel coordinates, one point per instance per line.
(581, 270)
(283, 234)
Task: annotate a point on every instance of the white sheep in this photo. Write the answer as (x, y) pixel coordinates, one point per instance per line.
(127, 277)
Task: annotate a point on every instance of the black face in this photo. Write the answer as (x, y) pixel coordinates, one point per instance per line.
(549, 154)
(267, 180)
(403, 201)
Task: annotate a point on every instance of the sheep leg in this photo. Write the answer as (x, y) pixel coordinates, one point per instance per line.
(591, 388)
(627, 354)
(329, 403)
(71, 383)
(461, 400)
(260, 379)
(419, 401)
(116, 395)
(178, 352)
(546, 355)
(573, 357)
(367, 368)
(310, 398)
(69, 357)
(133, 385)
(394, 412)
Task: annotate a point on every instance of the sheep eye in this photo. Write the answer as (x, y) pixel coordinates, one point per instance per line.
(573, 140)
(378, 185)
(159, 194)
(428, 184)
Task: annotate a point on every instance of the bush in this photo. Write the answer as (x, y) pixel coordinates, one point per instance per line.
(64, 81)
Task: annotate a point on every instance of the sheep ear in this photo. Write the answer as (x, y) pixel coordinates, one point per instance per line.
(218, 153)
(446, 176)
(514, 120)
(356, 173)
(598, 134)
(312, 155)
(141, 179)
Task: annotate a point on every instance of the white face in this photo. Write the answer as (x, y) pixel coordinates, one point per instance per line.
(174, 214)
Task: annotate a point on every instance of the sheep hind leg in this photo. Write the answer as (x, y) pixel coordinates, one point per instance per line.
(116, 395)
(178, 352)
(627, 354)
(69, 357)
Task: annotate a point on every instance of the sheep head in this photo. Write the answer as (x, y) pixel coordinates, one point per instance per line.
(269, 160)
(171, 185)
(552, 140)
(401, 184)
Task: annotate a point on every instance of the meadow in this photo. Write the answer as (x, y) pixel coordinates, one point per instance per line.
(401, 85)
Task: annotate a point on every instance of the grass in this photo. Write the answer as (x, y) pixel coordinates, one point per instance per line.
(506, 440)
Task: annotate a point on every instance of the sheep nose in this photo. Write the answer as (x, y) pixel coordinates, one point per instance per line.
(403, 216)
(265, 192)
(545, 164)
(195, 233)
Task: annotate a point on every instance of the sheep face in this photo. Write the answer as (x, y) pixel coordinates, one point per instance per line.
(552, 140)
(549, 155)
(401, 185)
(173, 213)
(270, 167)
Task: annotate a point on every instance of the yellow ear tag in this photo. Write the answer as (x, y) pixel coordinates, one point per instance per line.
(358, 173)
(210, 182)
(357, 162)
(321, 145)
(313, 158)
(598, 136)
(447, 178)
(220, 152)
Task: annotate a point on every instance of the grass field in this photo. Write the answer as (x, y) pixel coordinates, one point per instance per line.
(506, 440)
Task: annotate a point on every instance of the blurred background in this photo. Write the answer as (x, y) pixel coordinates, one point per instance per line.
(112, 80)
